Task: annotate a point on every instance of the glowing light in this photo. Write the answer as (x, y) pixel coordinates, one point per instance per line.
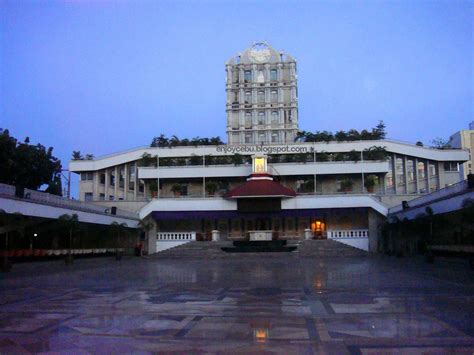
(260, 335)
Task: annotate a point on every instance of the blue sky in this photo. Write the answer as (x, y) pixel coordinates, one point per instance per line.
(101, 77)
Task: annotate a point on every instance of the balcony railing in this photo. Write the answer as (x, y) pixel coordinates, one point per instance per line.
(44, 198)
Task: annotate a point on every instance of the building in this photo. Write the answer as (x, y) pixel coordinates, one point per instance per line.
(464, 139)
(262, 96)
(339, 189)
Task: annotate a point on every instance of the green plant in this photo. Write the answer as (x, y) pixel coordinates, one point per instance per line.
(346, 184)
(211, 187)
(176, 188)
(370, 181)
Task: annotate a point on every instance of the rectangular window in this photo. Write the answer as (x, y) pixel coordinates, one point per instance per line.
(273, 75)
(122, 178)
(102, 197)
(261, 137)
(87, 176)
(275, 117)
(111, 197)
(451, 166)
(274, 95)
(102, 178)
(112, 179)
(248, 97)
(275, 137)
(261, 118)
(432, 169)
(88, 196)
(421, 170)
(131, 177)
(411, 170)
(248, 120)
(248, 75)
(400, 171)
(248, 138)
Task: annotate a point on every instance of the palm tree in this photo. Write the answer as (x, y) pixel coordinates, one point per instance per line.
(70, 223)
(118, 228)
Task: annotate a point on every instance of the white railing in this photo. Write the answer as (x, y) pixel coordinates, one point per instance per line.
(348, 233)
(438, 194)
(176, 236)
(61, 202)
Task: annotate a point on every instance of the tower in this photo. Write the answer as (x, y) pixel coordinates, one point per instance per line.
(262, 96)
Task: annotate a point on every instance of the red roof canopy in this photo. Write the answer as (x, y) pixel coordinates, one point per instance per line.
(259, 186)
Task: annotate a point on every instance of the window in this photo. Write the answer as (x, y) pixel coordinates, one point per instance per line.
(235, 137)
(102, 197)
(248, 120)
(274, 95)
(400, 171)
(87, 176)
(131, 177)
(273, 75)
(275, 137)
(411, 170)
(389, 175)
(102, 178)
(247, 75)
(451, 166)
(421, 170)
(111, 197)
(261, 137)
(248, 97)
(432, 169)
(275, 117)
(248, 137)
(112, 179)
(122, 177)
(88, 196)
(261, 118)
(261, 96)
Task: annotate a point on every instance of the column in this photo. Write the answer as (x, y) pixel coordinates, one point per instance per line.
(106, 185)
(405, 171)
(125, 182)
(116, 187)
(417, 178)
(95, 187)
(135, 182)
(427, 173)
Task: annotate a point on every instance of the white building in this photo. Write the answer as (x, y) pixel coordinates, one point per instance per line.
(339, 190)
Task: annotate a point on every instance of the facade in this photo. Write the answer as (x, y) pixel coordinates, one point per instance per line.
(464, 139)
(262, 96)
(338, 190)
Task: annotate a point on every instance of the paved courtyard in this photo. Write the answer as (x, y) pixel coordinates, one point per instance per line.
(274, 303)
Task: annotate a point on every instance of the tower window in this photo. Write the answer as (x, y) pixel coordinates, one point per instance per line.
(247, 75)
(274, 95)
(273, 75)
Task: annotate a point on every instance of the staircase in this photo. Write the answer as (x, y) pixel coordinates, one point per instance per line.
(305, 249)
(327, 248)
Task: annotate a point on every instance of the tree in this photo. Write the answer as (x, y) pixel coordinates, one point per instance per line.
(440, 143)
(379, 131)
(26, 165)
(76, 155)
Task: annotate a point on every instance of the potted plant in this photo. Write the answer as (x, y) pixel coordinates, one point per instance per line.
(176, 188)
(369, 183)
(346, 185)
(211, 188)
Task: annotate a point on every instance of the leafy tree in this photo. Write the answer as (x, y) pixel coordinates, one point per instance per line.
(440, 143)
(27, 165)
(379, 131)
(76, 155)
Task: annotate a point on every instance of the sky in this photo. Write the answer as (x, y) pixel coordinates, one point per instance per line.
(104, 76)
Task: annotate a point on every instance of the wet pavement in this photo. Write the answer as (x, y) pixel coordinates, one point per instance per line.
(281, 304)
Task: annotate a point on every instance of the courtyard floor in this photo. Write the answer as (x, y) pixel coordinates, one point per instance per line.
(281, 304)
